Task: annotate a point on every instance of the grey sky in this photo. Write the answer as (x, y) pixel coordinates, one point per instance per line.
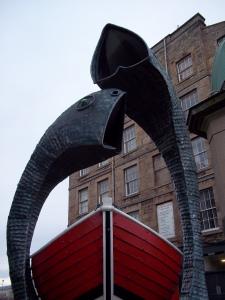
(45, 53)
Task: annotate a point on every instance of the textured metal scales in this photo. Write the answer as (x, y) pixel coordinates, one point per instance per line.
(91, 131)
(123, 60)
(80, 137)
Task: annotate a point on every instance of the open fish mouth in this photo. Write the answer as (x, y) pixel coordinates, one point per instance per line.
(117, 48)
(86, 133)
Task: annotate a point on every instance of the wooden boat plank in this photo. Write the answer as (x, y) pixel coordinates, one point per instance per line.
(72, 253)
(145, 258)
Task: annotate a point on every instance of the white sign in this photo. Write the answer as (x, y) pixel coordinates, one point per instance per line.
(166, 219)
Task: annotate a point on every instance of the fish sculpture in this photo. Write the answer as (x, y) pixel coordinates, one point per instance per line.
(123, 60)
(86, 133)
(133, 83)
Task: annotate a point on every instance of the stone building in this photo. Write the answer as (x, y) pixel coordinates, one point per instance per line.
(207, 119)
(6, 293)
(138, 180)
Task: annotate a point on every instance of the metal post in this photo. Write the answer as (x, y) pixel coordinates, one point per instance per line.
(108, 284)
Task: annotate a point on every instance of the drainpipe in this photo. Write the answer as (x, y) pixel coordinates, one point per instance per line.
(165, 54)
(113, 181)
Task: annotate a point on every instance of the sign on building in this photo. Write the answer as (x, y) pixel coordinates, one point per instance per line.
(165, 218)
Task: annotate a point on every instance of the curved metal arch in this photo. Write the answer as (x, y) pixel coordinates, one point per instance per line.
(91, 131)
(123, 60)
(86, 133)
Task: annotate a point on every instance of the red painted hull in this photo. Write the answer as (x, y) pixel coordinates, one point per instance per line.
(145, 264)
(71, 266)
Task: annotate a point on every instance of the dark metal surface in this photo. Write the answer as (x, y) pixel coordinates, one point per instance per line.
(91, 131)
(86, 133)
(123, 60)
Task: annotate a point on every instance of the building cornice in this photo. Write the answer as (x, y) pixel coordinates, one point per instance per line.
(197, 18)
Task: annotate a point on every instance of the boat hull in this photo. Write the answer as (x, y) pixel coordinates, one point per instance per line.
(100, 258)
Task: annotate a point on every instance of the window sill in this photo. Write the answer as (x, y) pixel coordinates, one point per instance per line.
(183, 80)
(201, 174)
(104, 166)
(203, 169)
(172, 239)
(127, 153)
(211, 231)
(131, 195)
(83, 176)
(83, 214)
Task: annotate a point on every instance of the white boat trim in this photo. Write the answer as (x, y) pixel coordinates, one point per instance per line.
(107, 206)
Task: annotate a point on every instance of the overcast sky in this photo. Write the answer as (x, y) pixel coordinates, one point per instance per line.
(45, 54)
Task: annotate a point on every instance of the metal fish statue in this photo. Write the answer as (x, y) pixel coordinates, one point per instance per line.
(123, 60)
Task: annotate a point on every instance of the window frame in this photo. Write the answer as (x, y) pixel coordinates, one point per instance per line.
(184, 72)
(128, 183)
(83, 203)
(135, 214)
(161, 172)
(129, 138)
(103, 163)
(208, 207)
(187, 98)
(84, 172)
(104, 193)
(202, 153)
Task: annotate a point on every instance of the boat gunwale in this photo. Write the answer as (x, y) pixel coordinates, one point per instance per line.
(106, 207)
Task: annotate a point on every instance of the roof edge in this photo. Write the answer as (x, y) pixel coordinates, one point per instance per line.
(197, 16)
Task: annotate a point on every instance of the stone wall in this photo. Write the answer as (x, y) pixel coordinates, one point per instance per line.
(155, 186)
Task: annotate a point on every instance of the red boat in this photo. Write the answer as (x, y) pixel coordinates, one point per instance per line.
(107, 255)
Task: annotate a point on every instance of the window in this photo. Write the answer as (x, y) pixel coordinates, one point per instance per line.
(83, 201)
(200, 153)
(165, 219)
(129, 139)
(84, 172)
(184, 68)
(131, 180)
(135, 215)
(188, 101)
(103, 190)
(158, 162)
(103, 163)
(208, 211)
(161, 173)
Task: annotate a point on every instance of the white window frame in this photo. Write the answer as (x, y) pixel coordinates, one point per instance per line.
(103, 163)
(131, 180)
(185, 68)
(84, 172)
(83, 201)
(208, 211)
(103, 189)
(134, 214)
(188, 100)
(129, 139)
(200, 153)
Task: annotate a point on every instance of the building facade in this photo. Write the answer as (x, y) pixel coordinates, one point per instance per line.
(137, 179)
(6, 293)
(207, 119)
